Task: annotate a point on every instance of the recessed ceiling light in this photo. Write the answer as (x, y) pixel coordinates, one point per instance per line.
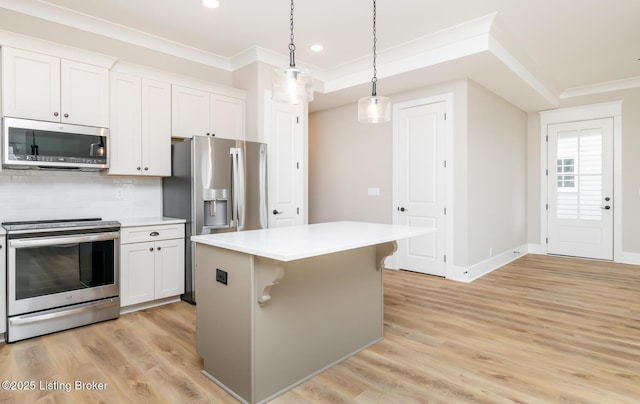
(211, 3)
(317, 48)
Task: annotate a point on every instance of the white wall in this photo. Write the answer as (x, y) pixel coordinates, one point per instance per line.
(489, 143)
(39, 194)
(496, 175)
(346, 158)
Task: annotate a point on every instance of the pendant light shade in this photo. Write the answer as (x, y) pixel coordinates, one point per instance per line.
(291, 84)
(376, 108)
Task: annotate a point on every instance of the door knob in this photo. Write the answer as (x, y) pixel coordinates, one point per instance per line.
(402, 209)
(607, 199)
(276, 212)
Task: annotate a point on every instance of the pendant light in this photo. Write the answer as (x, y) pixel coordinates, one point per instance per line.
(376, 108)
(291, 84)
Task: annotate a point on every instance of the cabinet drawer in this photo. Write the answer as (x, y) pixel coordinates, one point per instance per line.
(151, 233)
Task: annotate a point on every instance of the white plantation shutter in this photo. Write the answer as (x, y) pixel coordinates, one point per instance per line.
(579, 174)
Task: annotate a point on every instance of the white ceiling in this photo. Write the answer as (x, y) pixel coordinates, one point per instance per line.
(532, 53)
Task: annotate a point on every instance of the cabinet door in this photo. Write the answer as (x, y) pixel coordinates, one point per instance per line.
(30, 85)
(189, 112)
(3, 283)
(84, 94)
(137, 273)
(227, 117)
(156, 128)
(169, 262)
(125, 126)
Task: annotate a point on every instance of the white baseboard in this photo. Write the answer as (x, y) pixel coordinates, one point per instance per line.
(148, 305)
(629, 258)
(482, 268)
(462, 274)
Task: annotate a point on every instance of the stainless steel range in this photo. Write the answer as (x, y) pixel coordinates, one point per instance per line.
(61, 274)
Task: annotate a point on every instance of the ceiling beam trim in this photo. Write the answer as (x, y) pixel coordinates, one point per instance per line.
(617, 85)
(520, 70)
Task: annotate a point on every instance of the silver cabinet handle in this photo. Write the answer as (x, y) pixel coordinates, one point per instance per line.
(154, 234)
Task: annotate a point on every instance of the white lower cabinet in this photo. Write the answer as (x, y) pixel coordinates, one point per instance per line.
(151, 263)
(3, 285)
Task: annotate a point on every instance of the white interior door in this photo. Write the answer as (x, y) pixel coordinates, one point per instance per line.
(284, 156)
(580, 189)
(419, 161)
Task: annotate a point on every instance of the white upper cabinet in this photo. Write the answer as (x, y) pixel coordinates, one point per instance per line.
(198, 113)
(226, 117)
(84, 94)
(156, 128)
(42, 87)
(125, 133)
(30, 85)
(189, 112)
(140, 133)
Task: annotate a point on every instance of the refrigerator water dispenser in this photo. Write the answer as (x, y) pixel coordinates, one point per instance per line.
(215, 207)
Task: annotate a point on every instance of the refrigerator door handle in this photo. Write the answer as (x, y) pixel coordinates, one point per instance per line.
(232, 211)
(239, 193)
(237, 181)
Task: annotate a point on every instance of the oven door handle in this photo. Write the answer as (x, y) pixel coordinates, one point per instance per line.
(49, 241)
(63, 312)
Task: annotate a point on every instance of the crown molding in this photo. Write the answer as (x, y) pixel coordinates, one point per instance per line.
(478, 36)
(617, 85)
(20, 41)
(111, 30)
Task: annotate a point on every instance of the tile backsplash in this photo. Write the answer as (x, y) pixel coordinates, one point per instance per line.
(41, 194)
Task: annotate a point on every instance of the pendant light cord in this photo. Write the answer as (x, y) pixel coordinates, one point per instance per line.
(374, 80)
(292, 46)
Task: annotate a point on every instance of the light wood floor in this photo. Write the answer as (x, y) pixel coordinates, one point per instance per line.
(542, 329)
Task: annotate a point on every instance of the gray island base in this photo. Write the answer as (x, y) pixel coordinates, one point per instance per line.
(270, 316)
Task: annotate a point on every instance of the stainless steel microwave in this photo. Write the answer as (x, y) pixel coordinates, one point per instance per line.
(49, 145)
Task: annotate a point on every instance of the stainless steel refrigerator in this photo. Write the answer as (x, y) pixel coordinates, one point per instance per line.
(217, 185)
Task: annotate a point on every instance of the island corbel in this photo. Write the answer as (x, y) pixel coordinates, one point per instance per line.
(277, 273)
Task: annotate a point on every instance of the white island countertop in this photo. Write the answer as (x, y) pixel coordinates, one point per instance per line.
(298, 242)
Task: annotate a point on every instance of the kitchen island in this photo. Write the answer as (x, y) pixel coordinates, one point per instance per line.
(277, 306)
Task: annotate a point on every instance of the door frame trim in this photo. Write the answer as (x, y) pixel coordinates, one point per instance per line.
(447, 98)
(584, 113)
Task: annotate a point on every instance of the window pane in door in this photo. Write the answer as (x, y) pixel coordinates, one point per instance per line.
(579, 174)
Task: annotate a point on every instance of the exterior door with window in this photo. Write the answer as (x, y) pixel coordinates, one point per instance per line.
(580, 189)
